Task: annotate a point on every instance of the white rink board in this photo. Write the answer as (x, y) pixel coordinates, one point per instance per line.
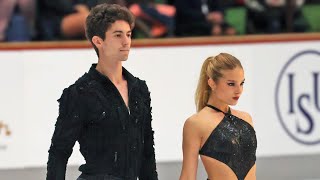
(32, 81)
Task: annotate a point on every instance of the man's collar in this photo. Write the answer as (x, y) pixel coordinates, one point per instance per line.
(104, 79)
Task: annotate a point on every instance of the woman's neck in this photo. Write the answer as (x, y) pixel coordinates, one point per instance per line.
(218, 104)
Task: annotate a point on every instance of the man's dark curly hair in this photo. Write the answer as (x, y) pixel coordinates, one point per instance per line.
(101, 18)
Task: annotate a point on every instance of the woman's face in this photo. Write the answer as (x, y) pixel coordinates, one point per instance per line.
(229, 87)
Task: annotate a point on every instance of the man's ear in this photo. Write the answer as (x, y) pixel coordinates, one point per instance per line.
(97, 41)
(212, 84)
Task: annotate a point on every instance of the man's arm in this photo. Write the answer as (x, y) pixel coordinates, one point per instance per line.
(148, 169)
(67, 129)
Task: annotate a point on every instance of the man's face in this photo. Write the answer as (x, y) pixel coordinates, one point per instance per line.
(117, 42)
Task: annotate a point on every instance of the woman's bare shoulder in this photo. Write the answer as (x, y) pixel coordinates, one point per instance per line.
(193, 120)
(243, 115)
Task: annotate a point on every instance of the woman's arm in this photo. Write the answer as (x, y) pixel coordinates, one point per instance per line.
(190, 147)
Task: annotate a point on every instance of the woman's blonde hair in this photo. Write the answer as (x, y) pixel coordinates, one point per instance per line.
(212, 68)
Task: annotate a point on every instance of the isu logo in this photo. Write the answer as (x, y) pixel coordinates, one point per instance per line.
(297, 97)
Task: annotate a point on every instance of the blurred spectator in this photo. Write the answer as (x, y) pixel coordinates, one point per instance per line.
(170, 2)
(313, 1)
(153, 19)
(120, 2)
(17, 18)
(65, 19)
(201, 18)
(274, 16)
(62, 19)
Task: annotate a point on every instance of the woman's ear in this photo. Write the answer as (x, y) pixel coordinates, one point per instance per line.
(212, 84)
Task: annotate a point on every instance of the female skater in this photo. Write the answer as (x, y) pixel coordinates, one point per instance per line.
(224, 137)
